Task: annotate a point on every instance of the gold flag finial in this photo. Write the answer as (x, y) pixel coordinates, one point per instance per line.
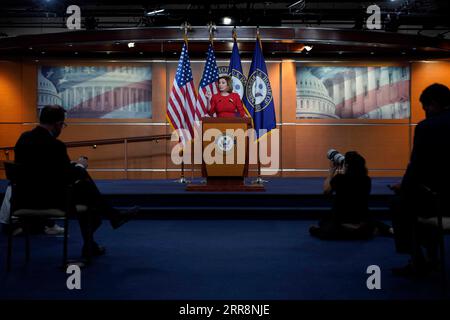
(185, 27)
(211, 28)
(258, 37)
(234, 33)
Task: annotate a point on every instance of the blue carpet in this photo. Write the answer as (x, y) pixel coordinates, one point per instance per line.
(286, 186)
(212, 259)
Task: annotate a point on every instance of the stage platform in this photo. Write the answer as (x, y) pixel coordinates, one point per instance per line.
(283, 198)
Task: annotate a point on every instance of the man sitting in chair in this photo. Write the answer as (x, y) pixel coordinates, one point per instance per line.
(427, 171)
(47, 171)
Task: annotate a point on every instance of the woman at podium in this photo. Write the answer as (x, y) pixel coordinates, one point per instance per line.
(226, 103)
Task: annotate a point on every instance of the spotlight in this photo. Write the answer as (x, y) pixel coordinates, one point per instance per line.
(227, 20)
(130, 44)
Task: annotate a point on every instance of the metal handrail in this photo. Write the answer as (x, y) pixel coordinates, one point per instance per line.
(95, 143)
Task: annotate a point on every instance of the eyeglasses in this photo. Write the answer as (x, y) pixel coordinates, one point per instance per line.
(63, 124)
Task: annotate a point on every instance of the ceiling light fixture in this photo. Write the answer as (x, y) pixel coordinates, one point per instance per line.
(301, 2)
(227, 20)
(297, 7)
(154, 12)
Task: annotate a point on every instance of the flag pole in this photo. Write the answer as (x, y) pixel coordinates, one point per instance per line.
(258, 180)
(211, 29)
(185, 26)
(182, 178)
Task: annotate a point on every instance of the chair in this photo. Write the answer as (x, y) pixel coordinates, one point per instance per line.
(442, 224)
(24, 215)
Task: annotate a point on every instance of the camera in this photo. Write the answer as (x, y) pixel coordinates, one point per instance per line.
(335, 156)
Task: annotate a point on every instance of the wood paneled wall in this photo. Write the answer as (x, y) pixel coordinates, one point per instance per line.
(385, 144)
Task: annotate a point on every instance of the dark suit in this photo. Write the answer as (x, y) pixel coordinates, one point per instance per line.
(46, 173)
(46, 170)
(430, 155)
(428, 166)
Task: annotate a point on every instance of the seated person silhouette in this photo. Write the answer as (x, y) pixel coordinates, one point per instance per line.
(427, 171)
(48, 170)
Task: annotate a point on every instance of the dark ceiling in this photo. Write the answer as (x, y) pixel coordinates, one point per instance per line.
(429, 17)
(409, 29)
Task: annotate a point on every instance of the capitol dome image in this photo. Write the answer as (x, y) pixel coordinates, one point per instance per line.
(98, 91)
(47, 93)
(369, 92)
(313, 99)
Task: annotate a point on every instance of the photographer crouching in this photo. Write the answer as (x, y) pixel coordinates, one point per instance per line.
(350, 218)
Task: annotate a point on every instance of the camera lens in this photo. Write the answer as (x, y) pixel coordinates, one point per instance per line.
(336, 157)
(331, 153)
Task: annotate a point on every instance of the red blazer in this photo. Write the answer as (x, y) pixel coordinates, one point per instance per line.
(226, 106)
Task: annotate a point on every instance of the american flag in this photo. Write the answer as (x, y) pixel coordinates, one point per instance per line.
(208, 83)
(181, 106)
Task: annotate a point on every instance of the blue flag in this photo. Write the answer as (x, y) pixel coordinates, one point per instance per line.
(258, 98)
(235, 71)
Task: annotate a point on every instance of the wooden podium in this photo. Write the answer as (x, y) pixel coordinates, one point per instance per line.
(229, 172)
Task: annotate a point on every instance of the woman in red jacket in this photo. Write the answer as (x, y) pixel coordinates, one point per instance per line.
(226, 103)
